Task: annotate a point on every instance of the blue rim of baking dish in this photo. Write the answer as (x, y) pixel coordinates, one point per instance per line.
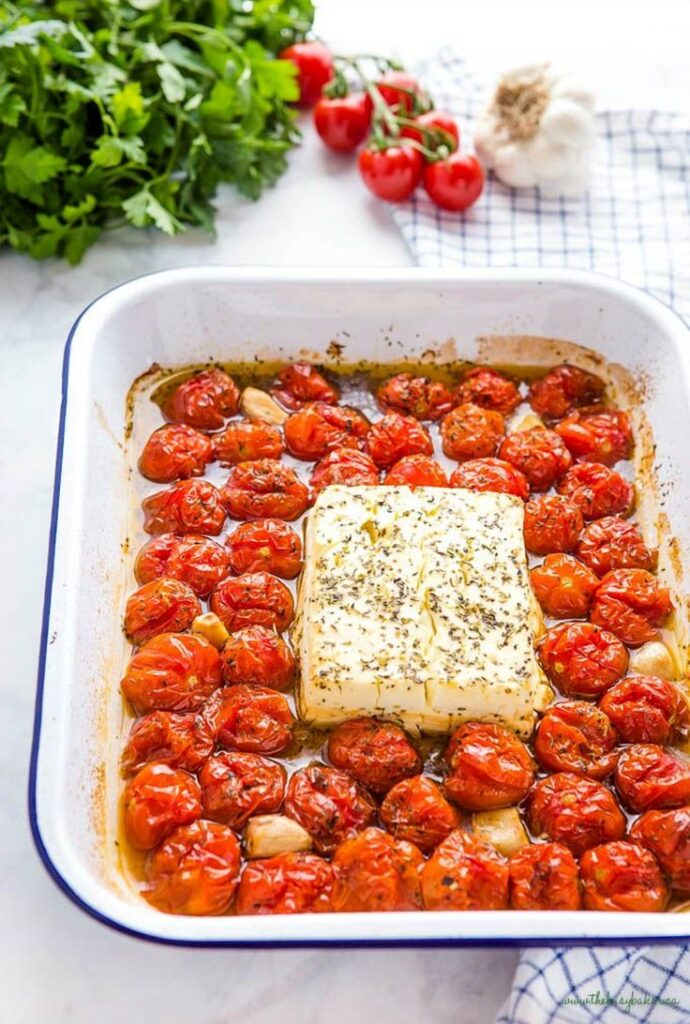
(555, 276)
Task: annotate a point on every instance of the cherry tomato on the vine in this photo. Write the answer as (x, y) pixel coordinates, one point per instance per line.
(435, 129)
(314, 64)
(343, 121)
(393, 173)
(454, 183)
(400, 89)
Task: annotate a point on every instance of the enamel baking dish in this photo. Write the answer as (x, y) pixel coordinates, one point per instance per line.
(184, 317)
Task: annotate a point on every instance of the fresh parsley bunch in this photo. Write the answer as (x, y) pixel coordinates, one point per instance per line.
(133, 111)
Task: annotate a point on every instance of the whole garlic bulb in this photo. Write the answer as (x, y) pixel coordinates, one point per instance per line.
(538, 130)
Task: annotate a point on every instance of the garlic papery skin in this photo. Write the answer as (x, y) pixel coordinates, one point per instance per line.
(538, 130)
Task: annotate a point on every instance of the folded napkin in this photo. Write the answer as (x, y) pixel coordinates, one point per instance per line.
(633, 224)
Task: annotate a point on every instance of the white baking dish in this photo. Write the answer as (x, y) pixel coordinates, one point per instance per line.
(189, 316)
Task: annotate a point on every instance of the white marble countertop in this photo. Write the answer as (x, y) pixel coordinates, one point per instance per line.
(58, 964)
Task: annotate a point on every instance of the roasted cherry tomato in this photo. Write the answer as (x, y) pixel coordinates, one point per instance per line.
(256, 656)
(393, 173)
(377, 754)
(342, 122)
(645, 709)
(179, 740)
(261, 489)
(581, 659)
(161, 606)
(191, 506)
(417, 811)
(574, 810)
(329, 804)
(488, 388)
(613, 543)
(416, 471)
(195, 871)
(314, 65)
(544, 876)
(175, 452)
(597, 435)
(552, 523)
(203, 401)
(563, 586)
(250, 718)
(632, 604)
(667, 835)
(415, 396)
(489, 767)
(564, 388)
(598, 490)
(490, 475)
(433, 129)
(374, 872)
(235, 785)
(172, 672)
(155, 802)
(464, 873)
(576, 737)
(290, 883)
(395, 436)
(252, 599)
(471, 432)
(247, 441)
(319, 428)
(539, 454)
(622, 876)
(455, 182)
(399, 89)
(299, 384)
(198, 561)
(651, 777)
(265, 545)
(344, 466)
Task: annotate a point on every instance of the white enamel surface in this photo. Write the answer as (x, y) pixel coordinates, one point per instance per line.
(191, 315)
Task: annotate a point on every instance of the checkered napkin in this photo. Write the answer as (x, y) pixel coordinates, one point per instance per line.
(633, 224)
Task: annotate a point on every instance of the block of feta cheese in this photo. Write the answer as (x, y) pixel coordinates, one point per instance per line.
(416, 605)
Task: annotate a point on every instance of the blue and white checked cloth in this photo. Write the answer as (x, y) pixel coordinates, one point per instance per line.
(634, 224)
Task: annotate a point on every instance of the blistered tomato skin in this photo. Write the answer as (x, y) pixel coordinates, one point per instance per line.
(247, 441)
(552, 523)
(576, 737)
(622, 877)
(190, 506)
(376, 754)
(396, 436)
(290, 883)
(489, 389)
(264, 489)
(252, 718)
(632, 604)
(257, 656)
(470, 431)
(464, 873)
(489, 767)
(667, 835)
(415, 396)
(538, 453)
(597, 490)
(490, 475)
(329, 804)
(172, 672)
(612, 543)
(299, 384)
(236, 784)
(597, 435)
(265, 545)
(162, 606)
(416, 471)
(574, 810)
(180, 740)
(652, 777)
(203, 401)
(544, 876)
(195, 871)
(646, 709)
(317, 429)
(198, 561)
(344, 466)
(175, 452)
(564, 388)
(155, 802)
(581, 659)
(374, 872)
(253, 599)
(417, 811)
(563, 586)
